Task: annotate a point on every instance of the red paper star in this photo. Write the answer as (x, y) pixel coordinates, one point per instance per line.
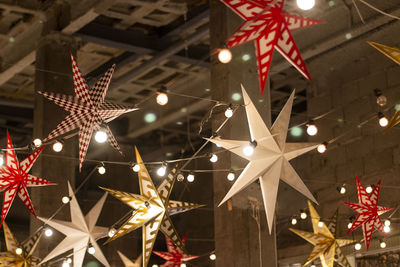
(368, 212)
(269, 26)
(14, 179)
(174, 257)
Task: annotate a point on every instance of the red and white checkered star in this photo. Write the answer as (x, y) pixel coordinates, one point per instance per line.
(368, 212)
(87, 110)
(174, 257)
(14, 179)
(269, 27)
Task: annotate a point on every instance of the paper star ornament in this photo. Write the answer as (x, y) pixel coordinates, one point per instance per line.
(25, 258)
(15, 178)
(270, 160)
(128, 263)
(87, 110)
(80, 232)
(152, 210)
(368, 212)
(269, 27)
(324, 240)
(390, 52)
(174, 257)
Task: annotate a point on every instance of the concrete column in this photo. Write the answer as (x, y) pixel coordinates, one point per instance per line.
(236, 232)
(53, 74)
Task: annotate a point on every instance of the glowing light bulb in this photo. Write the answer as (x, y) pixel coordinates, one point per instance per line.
(112, 232)
(48, 232)
(136, 168)
(321, 148)
(303, 215)
(248, 150)
(342, 190)
(224, 56)
(383, 122)
(382, 244)
(386, 229)
(1, 160)
(294, 221)
(101, 170)
(37, 142)
(229, 112)
(320, 224)
(162, 170)
(387, 222)
(154, 265)
(357, 246)
(65, 200)
(369, 189)
(100, 136)
(183, 264)
(162, 99)
(91, 250)
(349, 225)
(180, 177)
(57, 146)
(312, 129)
(69, 260)
(230, 176)
(213, 256)
(65, 264)
(18, 251)
(214, 158)
(305, 4)
(190, 178)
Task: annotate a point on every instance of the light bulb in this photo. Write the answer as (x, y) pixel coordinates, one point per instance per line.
(342, 190)
(230, 176)
(154, 265)
(162, 170)
(162, 98)
(101, 170)
(180, 177)
(349, 225)
(224, 56)
(48, 232)
(190, 178)
(213, 256)
(321, 148)
(386, 229)
(214, 158)
(381, 100)
(65, 264)
(218, 145)
(69, 260)
(387, 222)
(183, 264)
(100, 136)
(18, 251)
(229, 112)
(312, 129)
(357, 246)
(112, 232)
(312, 265)
(303, 215)
(65, 200)
(248, 150)
(382, 244)
(57, 146)
(383, 121)
(305, 4)
(136, 168)
(1, 160)
(369, 189)
(91, 250)
(294, 221)
(320, 224)
(37, 142)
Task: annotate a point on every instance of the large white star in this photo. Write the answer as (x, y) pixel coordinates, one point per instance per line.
(81, 231)
(269, 161)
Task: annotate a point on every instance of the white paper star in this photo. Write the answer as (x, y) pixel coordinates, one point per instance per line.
(128, 263)
(269, 161)
(81, 231)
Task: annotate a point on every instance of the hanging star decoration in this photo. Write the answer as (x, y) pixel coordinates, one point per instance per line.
(15, 178)
(269, 27)
(393, 54)
(152, 210)
(80, 232)
(19, 256)
(87, 110)
(268, 155)
(128, 263)
(324, 240)
(368, 212)
(174, 257)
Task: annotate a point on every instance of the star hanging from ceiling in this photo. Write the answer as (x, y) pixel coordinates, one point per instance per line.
(23, 259)
(128, 263)
(152, 210)
(15, 178)
(80, 232)
(368, 212)
(269, 27)
(87, 110)
(269, 160)
(324, 240)
(174, 257)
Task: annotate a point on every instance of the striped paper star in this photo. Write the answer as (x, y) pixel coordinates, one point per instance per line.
(368, 212)
(15, 178)
(87, 110)
(324, 240)
(151, 210)
(269, 27)
(23, 259)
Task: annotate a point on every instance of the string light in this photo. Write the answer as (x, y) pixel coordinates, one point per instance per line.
(69, 260)
(381, 100)
(383, 121)
(229, 112)
(136, 167)
(183, 264)
(100, 136)
(154, 265)
(387, 222)
(213, 158)
(349, 225)
(357, 246)
(303, 215)
(342, 189)
(294, 221)
(18, 251)
(58, 146)
(162, 98)
(311, 128)
(305, 4)
(91, 250)
(65, 199)
(224, 56)
(162, 170)
(112, 232)
(369, 189)
(249, 149)
(386, 229)
(230, 176)
(190, 177)
(48, 232)
(65, 264)
(320, 224)
(213, 256)
(180, 177)
(101, 169)
(37, 142)
(382, 244)
(321, 148)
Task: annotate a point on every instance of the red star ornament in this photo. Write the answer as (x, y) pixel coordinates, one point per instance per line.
(174, 257)
(368, 212)
(14, 179)
(269, 27)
